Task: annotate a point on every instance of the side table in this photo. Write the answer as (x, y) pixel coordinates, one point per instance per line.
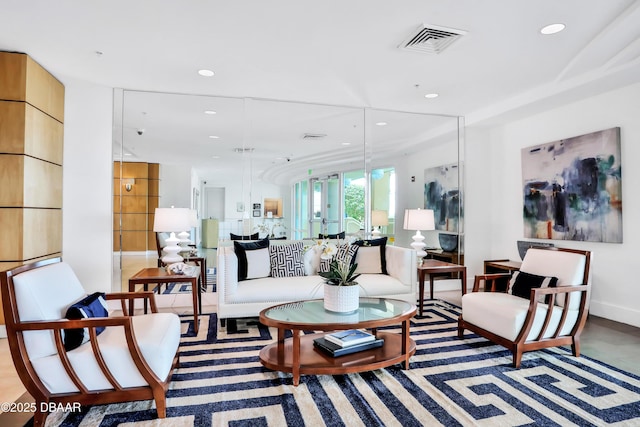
(159, 275)
(501, 266)
(434, 268)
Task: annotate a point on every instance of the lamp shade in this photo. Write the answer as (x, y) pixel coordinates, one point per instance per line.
(171, 220)
(419, 219)
(379, 218)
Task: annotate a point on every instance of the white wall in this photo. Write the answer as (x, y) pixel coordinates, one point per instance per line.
(615, 291)
(87, 218)
(175, 186)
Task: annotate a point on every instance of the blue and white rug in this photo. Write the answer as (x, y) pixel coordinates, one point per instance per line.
(451, 382)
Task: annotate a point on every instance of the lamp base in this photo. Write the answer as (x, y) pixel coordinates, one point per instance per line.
(418, 244)
(171, 250)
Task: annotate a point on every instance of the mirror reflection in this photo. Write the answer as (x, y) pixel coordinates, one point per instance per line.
(284, 170)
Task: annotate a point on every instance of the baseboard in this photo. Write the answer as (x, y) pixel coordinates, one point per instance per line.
(615, 313)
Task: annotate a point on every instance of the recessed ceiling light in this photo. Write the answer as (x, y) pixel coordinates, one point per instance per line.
(210, 112)
(127, 154)
(214, 136)
(205, 73)
(552, 28)
(381, 124)
(431, 95)
(215, 157)
(346, 143)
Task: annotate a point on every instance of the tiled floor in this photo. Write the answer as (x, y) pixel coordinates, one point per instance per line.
(610, 342)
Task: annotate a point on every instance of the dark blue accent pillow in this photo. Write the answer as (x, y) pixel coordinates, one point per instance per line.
(93, 305)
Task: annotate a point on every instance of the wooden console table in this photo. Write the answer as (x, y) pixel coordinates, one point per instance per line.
(452, 257)
(501, 266)
(159, 275)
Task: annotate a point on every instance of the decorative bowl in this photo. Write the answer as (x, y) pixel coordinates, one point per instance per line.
(524, 245)
(448, 242)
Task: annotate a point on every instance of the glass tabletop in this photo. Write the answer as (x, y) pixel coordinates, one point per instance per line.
(313, 312)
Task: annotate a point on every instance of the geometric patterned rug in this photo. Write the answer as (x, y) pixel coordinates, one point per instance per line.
(451, 382)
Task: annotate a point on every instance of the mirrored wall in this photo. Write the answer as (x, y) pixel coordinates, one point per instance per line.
(240, 161)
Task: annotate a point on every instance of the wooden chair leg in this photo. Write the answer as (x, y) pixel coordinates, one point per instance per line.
(161, 402)
(460, 329)
(517, 358)
(575, 347)
(39, 417)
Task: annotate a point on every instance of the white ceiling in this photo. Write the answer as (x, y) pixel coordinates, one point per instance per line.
(331, 52)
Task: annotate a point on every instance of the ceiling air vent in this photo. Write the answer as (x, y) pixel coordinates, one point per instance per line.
(431, 39)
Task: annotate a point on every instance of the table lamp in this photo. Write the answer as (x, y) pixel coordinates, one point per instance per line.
(379, 218)
(171, 220)
(419, 219)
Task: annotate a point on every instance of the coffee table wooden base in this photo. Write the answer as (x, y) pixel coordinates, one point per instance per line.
(279, 357)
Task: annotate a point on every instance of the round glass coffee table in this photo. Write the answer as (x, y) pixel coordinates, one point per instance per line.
(298, 354)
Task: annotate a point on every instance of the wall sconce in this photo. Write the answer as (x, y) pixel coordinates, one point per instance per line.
(128, 183)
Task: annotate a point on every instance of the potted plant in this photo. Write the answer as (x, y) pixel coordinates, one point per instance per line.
(341, 291)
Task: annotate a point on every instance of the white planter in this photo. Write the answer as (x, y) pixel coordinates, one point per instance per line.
(341, 299)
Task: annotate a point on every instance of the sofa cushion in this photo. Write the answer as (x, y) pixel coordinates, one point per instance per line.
(157, 335)
(311, 260)
(371, 256)
(253, 259)
(521, 284)
(286, 260)
(346, 253)
(93, 305)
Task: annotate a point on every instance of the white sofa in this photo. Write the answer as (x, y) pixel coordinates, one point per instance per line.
(237, 299)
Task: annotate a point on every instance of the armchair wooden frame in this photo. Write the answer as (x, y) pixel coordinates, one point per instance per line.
(520, 345)
(156, 389)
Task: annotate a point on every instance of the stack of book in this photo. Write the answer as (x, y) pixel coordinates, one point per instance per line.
(347, 342)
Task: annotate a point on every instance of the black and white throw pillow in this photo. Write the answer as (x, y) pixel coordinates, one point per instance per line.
(345, 253)
(371, 256)
(253, 259)
(286, 260)
(521, 284)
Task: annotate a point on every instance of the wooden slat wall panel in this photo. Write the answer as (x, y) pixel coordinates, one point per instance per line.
(31, 153)
(43, 136)
(42, 184)
(136, 205)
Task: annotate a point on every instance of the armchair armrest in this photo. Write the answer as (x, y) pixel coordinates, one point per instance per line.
(491, 278)
(130, 297)
(536, 296)
(91, 324)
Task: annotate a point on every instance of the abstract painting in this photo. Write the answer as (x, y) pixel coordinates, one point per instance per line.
(442, 195)
(572, 188)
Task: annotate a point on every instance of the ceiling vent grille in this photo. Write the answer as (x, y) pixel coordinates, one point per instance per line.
(431, 39)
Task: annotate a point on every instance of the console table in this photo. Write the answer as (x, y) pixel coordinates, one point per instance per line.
(159, 275)
(434, 268)
(501, 266)
(452, 257)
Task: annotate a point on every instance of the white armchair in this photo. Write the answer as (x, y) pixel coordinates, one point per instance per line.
(132, 359)
(540, 317)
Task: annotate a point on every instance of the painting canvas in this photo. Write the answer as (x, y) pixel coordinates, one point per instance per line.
(572, 188)
(442, 195)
